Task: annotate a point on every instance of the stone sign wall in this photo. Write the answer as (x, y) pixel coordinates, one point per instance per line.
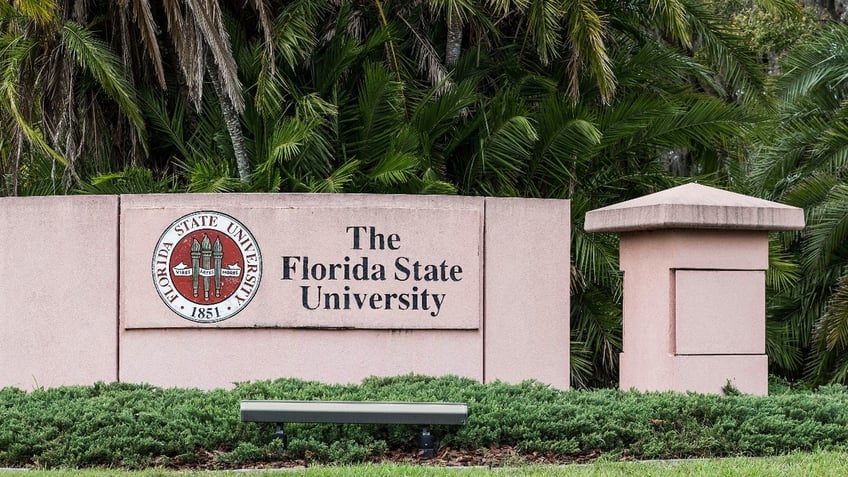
(206, 290)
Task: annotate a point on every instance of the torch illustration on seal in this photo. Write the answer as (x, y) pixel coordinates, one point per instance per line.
(195, 266)
(218, 255)
(206, 263)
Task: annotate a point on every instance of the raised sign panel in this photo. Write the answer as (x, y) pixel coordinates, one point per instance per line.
(313, 261)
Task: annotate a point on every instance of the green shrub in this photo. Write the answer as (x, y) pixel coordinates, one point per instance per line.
(136, 425)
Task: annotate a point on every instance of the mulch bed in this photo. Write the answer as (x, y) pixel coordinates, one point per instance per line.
(489, 457)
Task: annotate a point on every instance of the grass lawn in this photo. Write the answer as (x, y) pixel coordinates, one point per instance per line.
(801, 464)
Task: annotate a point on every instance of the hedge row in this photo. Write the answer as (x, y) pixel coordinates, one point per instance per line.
(135, 425)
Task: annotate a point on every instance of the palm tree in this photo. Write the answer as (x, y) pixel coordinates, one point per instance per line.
(802, 161)
(201, 43)
(55, 70)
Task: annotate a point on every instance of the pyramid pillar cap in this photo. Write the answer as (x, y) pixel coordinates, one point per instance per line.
(695, 206)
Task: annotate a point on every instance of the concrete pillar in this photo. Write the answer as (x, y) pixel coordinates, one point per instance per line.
(694, 260)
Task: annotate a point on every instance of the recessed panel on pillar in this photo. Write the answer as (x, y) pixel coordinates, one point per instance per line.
(720, 312)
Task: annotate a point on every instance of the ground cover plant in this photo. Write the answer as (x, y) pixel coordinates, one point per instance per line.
(136, 426)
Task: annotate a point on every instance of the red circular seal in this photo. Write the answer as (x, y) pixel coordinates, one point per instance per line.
(207, 266)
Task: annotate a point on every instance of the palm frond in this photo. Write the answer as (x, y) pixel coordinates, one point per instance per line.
(399, 164)
(507, 7)
(726, 51)
(343, 52)
(629, 117)
(312, 106)
(783, 271)
(816, 69)
(266, 27)
(39, 11)
(830, 154)
(189, 48)
(839, 375)
(580, 363)
(294, 30)
(208, 19)
(586, 32)
(431, 183)
(783, 156)
(133, 180)
(99, 60)
(596, 321)
(143, 15)
(649, 65)
(17, 52)
(394, 168)
(543, 27)
(436, 113)
(595, 256)
(704, 121)
(811, 190)
(782, 346)
(167, 119)
(210, 174)
(338, 180)
(271, 87)
(826, 236)
(209, 137)
(427, 58)
(566, 132)
(673, 18)
(379, 113)
(827, 361)
(505, 152)
(834, 324)
(781, 8)
(288, 140)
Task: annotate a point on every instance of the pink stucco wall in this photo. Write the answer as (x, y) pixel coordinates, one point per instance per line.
(733, 324)
(208, 358)
(526, 305)
(105, 316)
(58, 291)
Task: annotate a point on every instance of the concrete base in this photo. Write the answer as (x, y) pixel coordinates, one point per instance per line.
(706, 374)
(218, 358)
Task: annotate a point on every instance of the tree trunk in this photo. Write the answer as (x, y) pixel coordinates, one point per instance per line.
(231, 119)
(840, 10)
(454, 41)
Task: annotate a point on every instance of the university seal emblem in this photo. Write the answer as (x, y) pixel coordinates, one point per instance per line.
(207, 266)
